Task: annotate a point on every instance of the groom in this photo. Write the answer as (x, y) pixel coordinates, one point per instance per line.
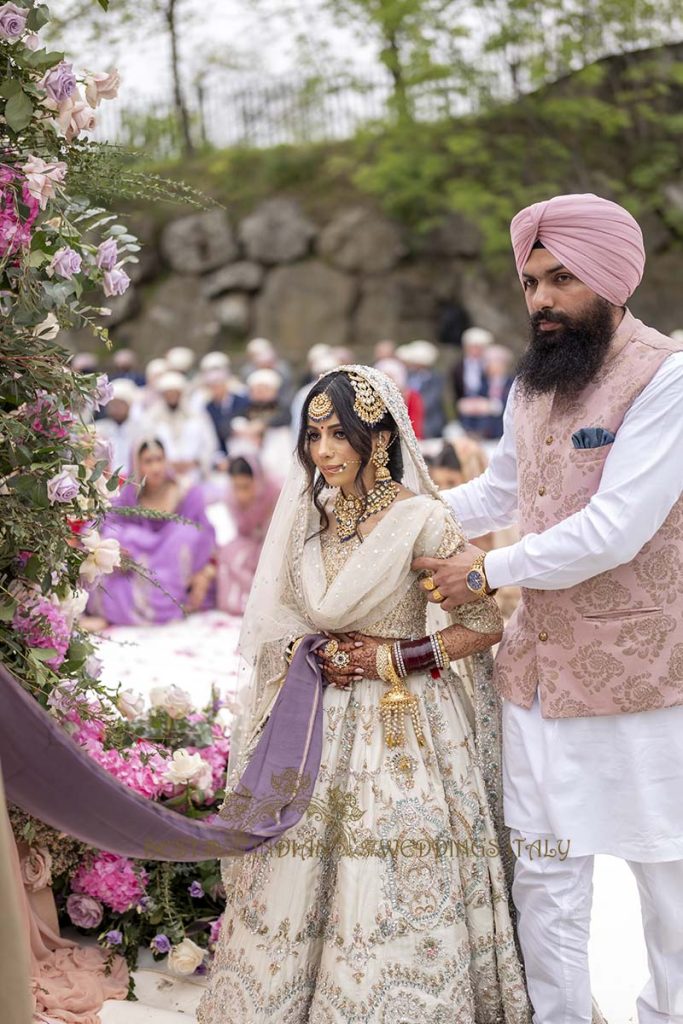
(591, 665)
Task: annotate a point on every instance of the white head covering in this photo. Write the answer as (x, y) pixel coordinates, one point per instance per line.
(125, 390)
(264, 378)
(214, 361)
(180, 358)
(171, 381)
(476, 336)
(154, 369)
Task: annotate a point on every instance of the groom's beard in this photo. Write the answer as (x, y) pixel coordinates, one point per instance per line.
(568, 359)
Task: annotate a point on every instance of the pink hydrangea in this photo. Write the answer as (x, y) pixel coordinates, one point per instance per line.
(141, 768)
(113, 880)
(46, 419)
(15, 231)
(40, 623)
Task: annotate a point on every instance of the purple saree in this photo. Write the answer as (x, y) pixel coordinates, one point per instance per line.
(171, 551)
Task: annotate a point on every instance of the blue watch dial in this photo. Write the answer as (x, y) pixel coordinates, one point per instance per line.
(474, 580)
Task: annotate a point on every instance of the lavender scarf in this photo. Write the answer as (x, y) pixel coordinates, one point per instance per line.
(51, 777)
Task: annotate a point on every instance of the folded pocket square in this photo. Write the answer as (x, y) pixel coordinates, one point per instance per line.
(592, 437)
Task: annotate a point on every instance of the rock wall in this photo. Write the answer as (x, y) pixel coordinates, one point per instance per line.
(207, 282)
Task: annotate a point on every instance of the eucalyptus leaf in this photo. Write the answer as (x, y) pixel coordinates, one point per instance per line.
(18, 111)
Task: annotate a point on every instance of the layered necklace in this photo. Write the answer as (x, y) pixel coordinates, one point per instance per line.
(351, 511)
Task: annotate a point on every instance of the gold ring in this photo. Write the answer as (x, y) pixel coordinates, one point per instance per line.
(341, 659)
(437, 595)
(428, 583)
(330, 648)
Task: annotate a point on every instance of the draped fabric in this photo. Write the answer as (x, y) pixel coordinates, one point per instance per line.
(51, 777)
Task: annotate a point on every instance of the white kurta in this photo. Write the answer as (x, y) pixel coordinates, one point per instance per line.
(611, 783)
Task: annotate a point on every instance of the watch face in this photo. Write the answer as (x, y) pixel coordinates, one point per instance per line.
(474, 580)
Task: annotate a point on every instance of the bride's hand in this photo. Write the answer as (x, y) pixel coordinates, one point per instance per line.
(362, 653)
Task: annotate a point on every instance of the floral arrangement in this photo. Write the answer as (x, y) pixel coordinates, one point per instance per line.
(172, 754)
(59, 252)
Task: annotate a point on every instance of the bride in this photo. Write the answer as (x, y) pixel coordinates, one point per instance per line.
(388, 901)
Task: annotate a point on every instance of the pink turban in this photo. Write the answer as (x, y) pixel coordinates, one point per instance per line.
(598, 240)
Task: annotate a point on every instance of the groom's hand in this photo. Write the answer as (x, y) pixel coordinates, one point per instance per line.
(449, 576)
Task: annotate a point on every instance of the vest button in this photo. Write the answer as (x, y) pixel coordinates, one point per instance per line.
(541, 491)
(543, 636)
(549, 439)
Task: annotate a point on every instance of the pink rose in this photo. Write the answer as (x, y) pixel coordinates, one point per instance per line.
(31, 41)
(60, 82)
(66, 262)
(12, 21)
(36, 868)
(41, 178)
(84, 911)
(101, 85)
(107, 254)
(74, 116)
(116, 282)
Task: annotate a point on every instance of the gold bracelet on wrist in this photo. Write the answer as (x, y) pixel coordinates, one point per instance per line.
(384, 663)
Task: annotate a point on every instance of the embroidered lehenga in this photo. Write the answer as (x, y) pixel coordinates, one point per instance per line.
(388, 902)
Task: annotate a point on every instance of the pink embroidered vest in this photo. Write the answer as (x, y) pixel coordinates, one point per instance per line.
(613, 643)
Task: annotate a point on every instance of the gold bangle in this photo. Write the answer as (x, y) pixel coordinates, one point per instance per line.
(441, 643)
(384, 663)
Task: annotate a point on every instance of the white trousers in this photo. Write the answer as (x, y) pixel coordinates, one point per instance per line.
(553, 899)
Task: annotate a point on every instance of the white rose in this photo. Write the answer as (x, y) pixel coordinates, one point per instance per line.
(176, 702)
(36, 868)
(185, 768)
(130, 704)
(73, 605)
(104, 557)
(186, 957)
(100, 486)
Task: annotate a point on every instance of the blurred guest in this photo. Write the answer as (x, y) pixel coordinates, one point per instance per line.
(224, 403)
(262, 355)
(264, 388)
(188, 436)
(397, 371)
(125, 367)
(154, 371)
(248, 433)
(383, 350)
(316, 354)
(470, 382)
(498, 364)
(84, 362)
(179, 556)
(419, 358)
(121, 422)
(251, 498)
(180, 358)
(445, 467)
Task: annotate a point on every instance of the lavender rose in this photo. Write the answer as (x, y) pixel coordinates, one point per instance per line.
(12, 21)
(63, 487)
(84, 911)
(107, 254)
(196, 890)
(116, 282)
(161, 944)
(60, 82)
(66, 262)
(114, 937)
(103, 393)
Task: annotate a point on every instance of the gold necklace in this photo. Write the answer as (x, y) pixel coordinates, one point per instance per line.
(351, 511)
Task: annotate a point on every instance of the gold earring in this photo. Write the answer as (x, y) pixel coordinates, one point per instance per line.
(380, 460)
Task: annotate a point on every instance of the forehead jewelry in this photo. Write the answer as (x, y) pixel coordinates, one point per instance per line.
(321, 407)
(368, 406)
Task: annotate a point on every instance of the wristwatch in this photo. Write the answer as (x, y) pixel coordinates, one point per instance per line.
(476, 578)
